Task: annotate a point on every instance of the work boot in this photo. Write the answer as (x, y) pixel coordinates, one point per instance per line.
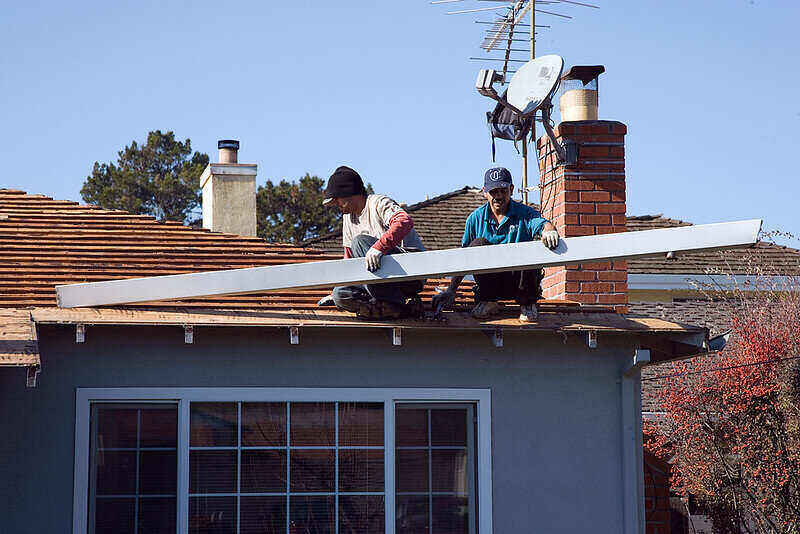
(377, 310)
(486, 309)
(528, 313)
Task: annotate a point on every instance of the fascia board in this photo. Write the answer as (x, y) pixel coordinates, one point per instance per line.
(420, 265)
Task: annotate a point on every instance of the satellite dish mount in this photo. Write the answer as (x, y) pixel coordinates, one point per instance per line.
(531, 89)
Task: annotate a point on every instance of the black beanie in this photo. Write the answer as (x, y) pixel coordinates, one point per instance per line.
(344, 182)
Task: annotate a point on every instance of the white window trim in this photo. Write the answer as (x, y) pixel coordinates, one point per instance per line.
(183, 396)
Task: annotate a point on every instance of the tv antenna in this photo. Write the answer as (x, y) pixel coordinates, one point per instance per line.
(509, 35)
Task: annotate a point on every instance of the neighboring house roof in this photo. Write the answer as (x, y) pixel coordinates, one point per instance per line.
(777, 260)
(47, 242)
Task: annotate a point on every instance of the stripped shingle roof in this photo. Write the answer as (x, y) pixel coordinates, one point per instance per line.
(47, 242)
(764, 258)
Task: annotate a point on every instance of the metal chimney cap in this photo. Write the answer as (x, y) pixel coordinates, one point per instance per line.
(228, 143)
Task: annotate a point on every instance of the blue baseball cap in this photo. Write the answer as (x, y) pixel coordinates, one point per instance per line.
(497, 177)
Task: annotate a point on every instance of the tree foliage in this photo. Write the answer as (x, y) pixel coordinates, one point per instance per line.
(732, 423)
(293, 211)
(159, 178)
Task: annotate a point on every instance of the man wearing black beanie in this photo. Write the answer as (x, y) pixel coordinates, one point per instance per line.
(372, 226)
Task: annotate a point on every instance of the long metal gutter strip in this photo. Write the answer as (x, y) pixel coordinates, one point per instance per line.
(415, 266)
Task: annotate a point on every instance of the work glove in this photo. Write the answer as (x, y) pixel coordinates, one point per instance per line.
(550, 238)
(373, 259)
(445, 299)
(325, 301)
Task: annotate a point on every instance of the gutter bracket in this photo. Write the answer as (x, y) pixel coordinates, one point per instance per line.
(188, 334)
(496, 336)
(591, 339)
(641, 357)
(32, 376)
(397, 336)
(80, 333)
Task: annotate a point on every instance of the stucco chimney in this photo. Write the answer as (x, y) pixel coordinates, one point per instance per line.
(229, 193)
(587, 198)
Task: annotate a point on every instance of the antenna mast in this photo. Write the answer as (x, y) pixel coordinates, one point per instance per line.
(501, 31)
(533, 124)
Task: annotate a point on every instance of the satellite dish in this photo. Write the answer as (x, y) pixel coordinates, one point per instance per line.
(534, 83)
(531, 89)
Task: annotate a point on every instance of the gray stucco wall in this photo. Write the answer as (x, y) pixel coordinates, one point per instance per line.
(555, 407)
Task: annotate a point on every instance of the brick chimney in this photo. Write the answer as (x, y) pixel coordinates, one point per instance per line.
(587, 198)
(229, 193)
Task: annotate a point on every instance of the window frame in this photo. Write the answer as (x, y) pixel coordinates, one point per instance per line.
(184, 396)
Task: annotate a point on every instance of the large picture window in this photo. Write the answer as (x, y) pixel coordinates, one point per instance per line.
(288, 461)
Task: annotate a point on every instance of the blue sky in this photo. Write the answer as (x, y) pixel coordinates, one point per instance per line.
(708, 90)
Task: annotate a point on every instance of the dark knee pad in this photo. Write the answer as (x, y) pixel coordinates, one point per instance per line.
(478, 242)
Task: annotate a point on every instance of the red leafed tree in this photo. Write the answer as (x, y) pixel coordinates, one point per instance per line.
(731, 424)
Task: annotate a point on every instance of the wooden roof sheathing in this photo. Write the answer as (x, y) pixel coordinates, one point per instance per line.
(18, 345)
(48, 242)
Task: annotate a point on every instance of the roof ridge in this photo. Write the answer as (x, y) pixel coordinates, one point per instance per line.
(410, 208)
(439, 198)
(96, 211)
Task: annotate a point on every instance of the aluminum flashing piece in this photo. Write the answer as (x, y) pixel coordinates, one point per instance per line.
(420, 265)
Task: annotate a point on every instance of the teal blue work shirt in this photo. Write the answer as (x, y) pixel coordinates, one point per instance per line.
(521, 223)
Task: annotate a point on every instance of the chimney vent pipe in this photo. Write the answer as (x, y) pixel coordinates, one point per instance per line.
(228, 150)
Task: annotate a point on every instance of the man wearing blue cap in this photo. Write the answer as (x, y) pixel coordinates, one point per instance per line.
(502, 220)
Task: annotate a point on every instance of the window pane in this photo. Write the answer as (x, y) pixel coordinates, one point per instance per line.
(159, 427)
(213, 424)
(212, 471)
(158, 472)
(412, 515)
(157, 516)
(263, 471)
(449, 427)
(312, 470)
(450, 515)
(136, 428)
(264, 424)
(312, 424)
(434, 469)
(114, 516)
(361, 424)
(116, 427)
(311, 515)
(212, 515)
(361, 470)
(411, 473)
(361, 514)
(411, 427)
(263, 515)
(449, 471)
(116, 472)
